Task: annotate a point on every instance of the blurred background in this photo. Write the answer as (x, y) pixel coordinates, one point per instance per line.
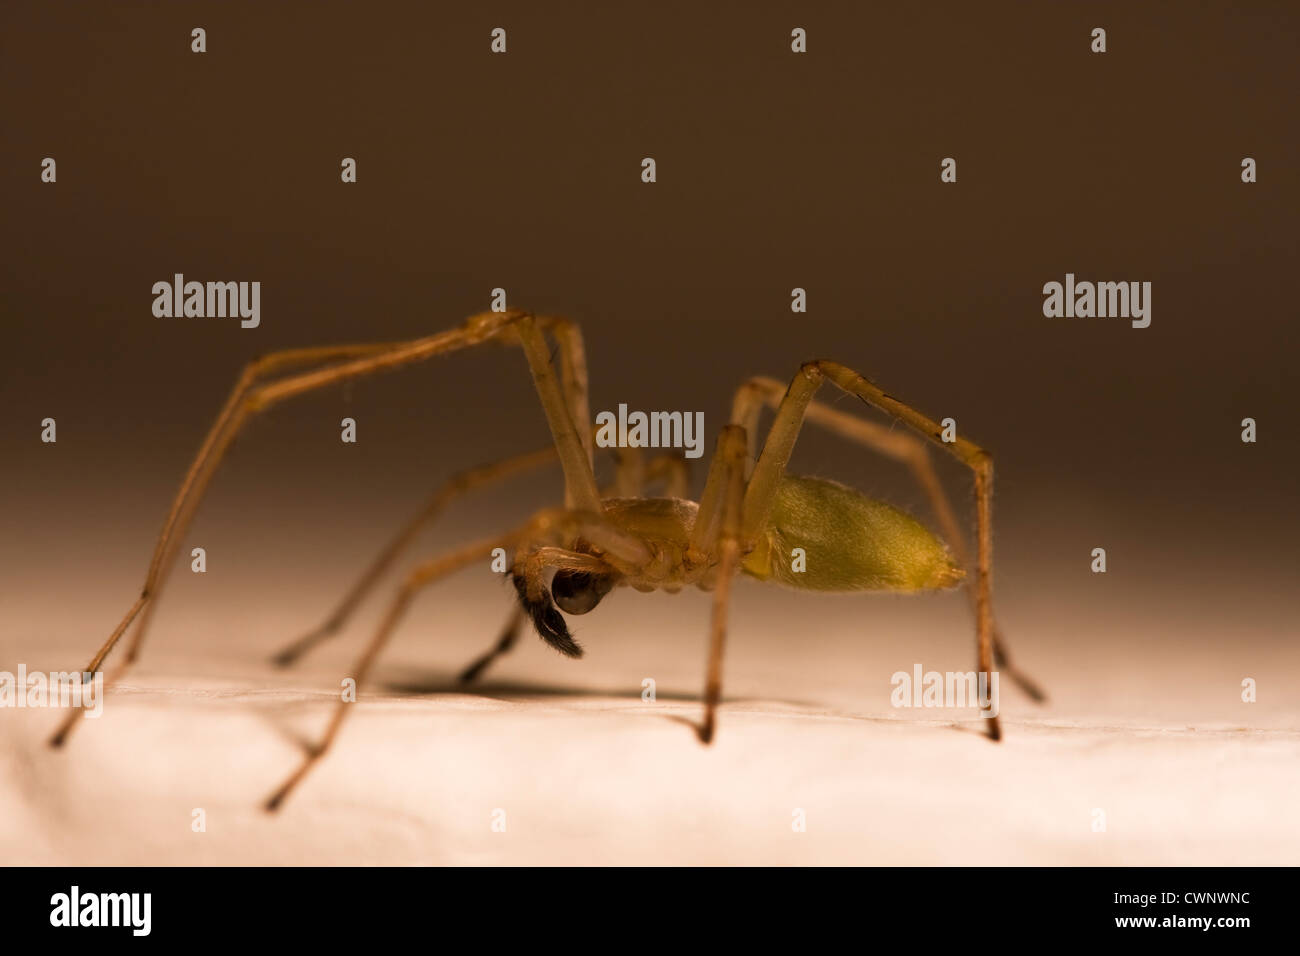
(775, 171)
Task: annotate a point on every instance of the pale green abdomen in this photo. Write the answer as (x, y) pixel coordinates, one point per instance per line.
(850, 543)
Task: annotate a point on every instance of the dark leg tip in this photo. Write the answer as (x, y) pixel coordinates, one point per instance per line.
(705, 733)
(58, 740)
(291, 654)
(472, 673)
(285, 658)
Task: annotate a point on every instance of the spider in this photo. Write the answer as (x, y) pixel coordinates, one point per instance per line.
(750, 517)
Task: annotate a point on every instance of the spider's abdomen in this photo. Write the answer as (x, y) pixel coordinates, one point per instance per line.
(849, 542)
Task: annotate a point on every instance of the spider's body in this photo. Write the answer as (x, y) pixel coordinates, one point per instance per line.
(806, 533)
(860, 544)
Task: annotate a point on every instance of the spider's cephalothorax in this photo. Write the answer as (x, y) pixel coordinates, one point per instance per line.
(807, 533)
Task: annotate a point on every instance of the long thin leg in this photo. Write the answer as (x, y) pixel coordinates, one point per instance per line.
(424, 575)
(504, 644)
(573, 381)
(900, 446)
(761, 493)
(191, 489)
(253, 372)
(554, 524)
(573, 378)
(573, 440)
(727, 476)
(454, 487)
(246, 401)
(631, 478)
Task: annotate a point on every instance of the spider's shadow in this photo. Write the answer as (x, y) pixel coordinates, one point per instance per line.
(438, 683)
(435, 683)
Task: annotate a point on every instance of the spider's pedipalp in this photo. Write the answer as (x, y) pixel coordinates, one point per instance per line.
(614, 552)
(546, 618)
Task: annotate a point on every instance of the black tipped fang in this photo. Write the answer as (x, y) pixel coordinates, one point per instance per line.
(548, 621)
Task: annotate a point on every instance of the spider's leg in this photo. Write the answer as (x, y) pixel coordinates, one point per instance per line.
(717, 532)
(622, 551)
(903, 447)
(357, 361)
(504, 644)
(573, 379)
(454, 487)
(424, 575)
(192, 487)
(793, 408)
(573, 382)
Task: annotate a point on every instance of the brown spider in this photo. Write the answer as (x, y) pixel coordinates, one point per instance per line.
(747, 520)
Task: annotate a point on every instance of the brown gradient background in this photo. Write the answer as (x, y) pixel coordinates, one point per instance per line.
(775, 171)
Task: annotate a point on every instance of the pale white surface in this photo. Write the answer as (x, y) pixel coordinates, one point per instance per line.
(589, 773)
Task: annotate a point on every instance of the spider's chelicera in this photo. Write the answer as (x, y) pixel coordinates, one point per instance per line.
(752, 517)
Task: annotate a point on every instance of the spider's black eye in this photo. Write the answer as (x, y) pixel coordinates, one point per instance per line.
(577, 592)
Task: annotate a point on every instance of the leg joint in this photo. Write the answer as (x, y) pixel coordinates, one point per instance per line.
(812, 371)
